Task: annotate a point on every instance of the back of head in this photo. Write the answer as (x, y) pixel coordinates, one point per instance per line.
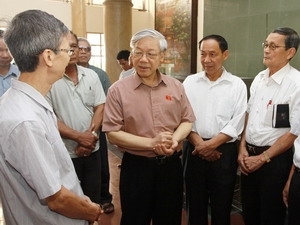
(30, 33)
(149, 33)
(123, 54)
(218, 38)
(292, 39)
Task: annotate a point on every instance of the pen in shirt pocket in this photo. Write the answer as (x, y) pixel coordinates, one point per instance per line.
(269, 103)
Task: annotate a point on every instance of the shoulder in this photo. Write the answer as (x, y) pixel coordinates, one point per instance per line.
(192, 78)
(87, 71)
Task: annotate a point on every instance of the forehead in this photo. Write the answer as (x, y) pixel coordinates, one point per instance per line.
(83, 43)
(148, 43)
(209, 45)
(276, 38)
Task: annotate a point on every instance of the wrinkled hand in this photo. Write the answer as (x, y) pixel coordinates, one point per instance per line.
(203, 149)
(212, 157)
(87, 139)
(164, 143)
(243, 154)
(253, 163)
(83, 151)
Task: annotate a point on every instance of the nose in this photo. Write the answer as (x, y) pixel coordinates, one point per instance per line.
(207, 59)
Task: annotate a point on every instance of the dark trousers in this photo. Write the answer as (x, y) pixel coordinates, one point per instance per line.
(210, 184)
(151, 190)
(261, 192)
(89, 174)
(105, 175)
(294, 200)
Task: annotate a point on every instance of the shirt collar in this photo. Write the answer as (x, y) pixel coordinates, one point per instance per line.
(278, 76)
(13, 71)
(137, 80)
(31, 92)
(225, 76)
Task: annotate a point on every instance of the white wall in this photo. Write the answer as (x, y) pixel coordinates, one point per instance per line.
(94, 14)
(62, 10)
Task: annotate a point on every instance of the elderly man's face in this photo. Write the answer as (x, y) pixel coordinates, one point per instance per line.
(147, 57)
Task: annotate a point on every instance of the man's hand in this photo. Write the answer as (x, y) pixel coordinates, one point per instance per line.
(87, 139)
(83, 151)
(204, 149)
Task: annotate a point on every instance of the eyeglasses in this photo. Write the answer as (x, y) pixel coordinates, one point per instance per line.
(139, 54)
(84, 49)
(271, 46)
(68, 51)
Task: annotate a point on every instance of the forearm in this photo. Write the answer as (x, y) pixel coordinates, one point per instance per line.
(81, 208)
(67, 132)
(194, 138)
(219, 140)
(282, 144)
(97, 118)
(130, 141)
(182, 131)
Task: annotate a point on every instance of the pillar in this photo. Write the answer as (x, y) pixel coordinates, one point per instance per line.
(117, 33)
(79, 18)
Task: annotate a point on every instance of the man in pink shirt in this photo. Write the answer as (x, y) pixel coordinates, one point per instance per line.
(147, 116)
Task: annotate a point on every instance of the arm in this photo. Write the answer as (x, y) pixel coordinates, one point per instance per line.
(97, 118)
(134, 142)
(81, 208)
(285, 192)
(86, 139)
(282, 144)
(243, 153)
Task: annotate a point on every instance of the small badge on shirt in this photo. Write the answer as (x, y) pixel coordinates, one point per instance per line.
(169, 97)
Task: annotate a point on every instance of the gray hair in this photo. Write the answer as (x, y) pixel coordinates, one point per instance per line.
(83, 39)
(30, 33)
(149, 33)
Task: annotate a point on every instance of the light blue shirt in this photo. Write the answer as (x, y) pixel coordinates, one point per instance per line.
(5, 79)
(34, 163)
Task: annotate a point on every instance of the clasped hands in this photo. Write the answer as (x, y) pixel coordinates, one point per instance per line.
(249, 164)
(86, 143)
(206, 151)
(165, 144)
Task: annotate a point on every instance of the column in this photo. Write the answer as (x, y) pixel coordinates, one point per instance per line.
(79, 18)
(117, 32)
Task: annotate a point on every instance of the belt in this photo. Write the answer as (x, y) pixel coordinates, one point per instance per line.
(162, 159)
(256, 150)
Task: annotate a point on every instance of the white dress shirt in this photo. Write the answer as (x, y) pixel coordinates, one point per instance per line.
(219, 106)
(281, 88)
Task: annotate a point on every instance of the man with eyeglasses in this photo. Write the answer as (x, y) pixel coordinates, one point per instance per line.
(8, 71)
(38, 182)
(272, 125)
(78, 102)
(83, 60)
(147, 115)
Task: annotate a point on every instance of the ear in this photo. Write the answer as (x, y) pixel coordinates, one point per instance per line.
(291, 53)
(48, 57)
(225, 54)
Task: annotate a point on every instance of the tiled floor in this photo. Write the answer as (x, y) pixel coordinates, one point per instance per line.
(114, 218)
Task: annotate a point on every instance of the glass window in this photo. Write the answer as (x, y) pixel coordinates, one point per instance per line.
(98, 49)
